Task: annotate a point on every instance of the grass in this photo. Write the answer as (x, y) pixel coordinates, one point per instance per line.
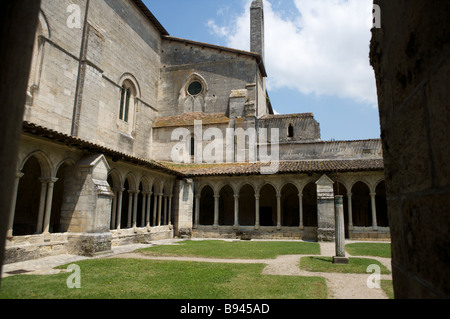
(146, 279)
(325, 264)
(369, 249)
(234, 249)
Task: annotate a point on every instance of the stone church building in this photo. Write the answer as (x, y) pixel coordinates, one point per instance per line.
(132, 135)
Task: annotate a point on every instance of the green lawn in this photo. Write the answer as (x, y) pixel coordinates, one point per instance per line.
(146, 279)
(234, 249)
(325, 264)
(369, 249)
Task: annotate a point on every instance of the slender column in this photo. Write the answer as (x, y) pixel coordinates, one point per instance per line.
(130, 208)
(114, 209)
(169, 209)
(165, 209)
(339, 231)
(278, 211)
(40, 220)
(350, 214)
(374, 211)
(236, 212)
(159, 208)
(48, 204)
(136, 193)
(144, 202)
(197, 211)
(257, 222)
(13, 205)
(155, 209)
(148, 208)
(300, 210)
(119, 207)
(216, 211)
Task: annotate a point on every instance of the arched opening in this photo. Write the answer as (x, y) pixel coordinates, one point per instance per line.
(340, 189)
(290, 206)
(125, 217)
(207, 206)
(310, 205)
(381, 205)
(28, 199)
(290, 131)
(247, 206)
(56, 218)
(226, 206)
(268, 206)
(361, 206)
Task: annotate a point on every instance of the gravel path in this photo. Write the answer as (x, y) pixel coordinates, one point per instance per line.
(340, 286)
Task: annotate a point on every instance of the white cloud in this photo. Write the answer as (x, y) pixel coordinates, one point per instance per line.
(322, 48)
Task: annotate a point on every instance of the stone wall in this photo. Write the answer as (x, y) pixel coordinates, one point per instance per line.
(411, 57)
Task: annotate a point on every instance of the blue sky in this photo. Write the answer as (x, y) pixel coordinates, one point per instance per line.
(316, 54)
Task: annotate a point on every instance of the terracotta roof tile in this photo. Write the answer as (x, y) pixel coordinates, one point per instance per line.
(187, 119)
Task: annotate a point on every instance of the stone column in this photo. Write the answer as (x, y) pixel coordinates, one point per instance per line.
(48, 204)
(278, 211)
(300, 209)
(13, 205)
(159, 208)
(340, 231)
(143, 211)
(155, 209)
(374, 211)
(197, 211)
(130, 208)
(257, 219)
(148, 208)
(114, 209)
(236, 212)
(119, 207)
(165, 209)
(40, 220)
(216, 211)
(169, 209)
(135, 202)
(350, 213)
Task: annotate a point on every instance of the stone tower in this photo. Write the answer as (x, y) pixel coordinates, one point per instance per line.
(257, 28)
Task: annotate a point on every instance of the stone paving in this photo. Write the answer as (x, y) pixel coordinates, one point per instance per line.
(341, 286)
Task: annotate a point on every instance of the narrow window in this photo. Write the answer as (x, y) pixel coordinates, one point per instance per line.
(192, 146)
(122, 99)
(290, 131)
(125, 96)
(127, 105)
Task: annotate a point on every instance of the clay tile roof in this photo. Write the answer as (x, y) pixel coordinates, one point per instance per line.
(285, 167)
(188, 119)
(285, 116)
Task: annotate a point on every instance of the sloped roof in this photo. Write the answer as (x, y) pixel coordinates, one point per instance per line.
(187, 119)
(151, 17)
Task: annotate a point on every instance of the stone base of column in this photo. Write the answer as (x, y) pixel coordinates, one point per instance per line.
(340, 260)
(89, 245)
(325, 234)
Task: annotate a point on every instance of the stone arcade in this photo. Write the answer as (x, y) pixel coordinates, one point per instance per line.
(95, 167)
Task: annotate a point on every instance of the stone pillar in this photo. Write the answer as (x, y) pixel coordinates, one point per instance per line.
(300, 209)
(257, 221)
(197, 211)
(114, 209)
(148, 208)
(216, 211)
(340, 231)
(236, 212)
(40, 219)
(48, 205)
(155, 209)
(135, 201)
(325, 209)
(350, 213)
(130, 208)
(159, 208)
(119, 207)
(165, 209)
(374, 211)
(13, 205)
(169, 209)
(278, 211)
(144, 207)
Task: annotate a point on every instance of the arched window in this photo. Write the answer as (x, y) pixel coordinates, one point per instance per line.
(290, 131)
(127, 96)
(192, 146)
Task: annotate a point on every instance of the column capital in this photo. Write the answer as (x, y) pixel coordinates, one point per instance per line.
(236, 196)
(373, 194)
(216, 196)
(19, 174)
(49, 180)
